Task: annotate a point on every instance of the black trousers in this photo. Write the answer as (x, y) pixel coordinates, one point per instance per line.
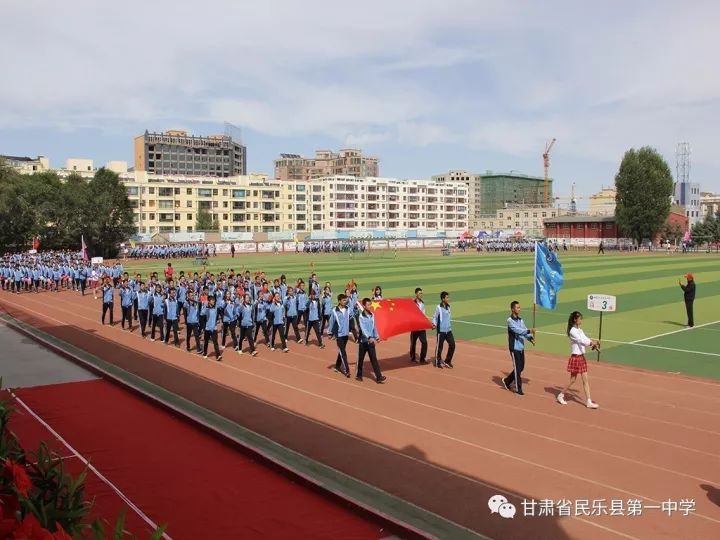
(292, 321)
(518, 360)
(135, 309)
(126, 316)
(246, 332)
(279, 329)
(229, 328)
(107, 306)
(192, 329)
(368, 348)
(143, 316)
(325, 322)
(313, 325)
(157, 322)
(172, 324)
(262, 325)
(211, 335)
(353, 328)
(689, 310)
(414, 337)
(303, 317)
(341, 363)
(442, 338)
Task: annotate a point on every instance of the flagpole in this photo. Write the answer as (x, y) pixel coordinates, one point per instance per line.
(535, 283)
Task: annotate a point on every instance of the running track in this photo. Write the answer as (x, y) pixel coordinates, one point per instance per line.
(448, 440)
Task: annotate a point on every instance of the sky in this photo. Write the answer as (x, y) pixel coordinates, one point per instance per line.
(427, 86)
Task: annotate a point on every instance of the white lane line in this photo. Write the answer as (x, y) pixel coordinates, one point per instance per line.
(77, 454)
(673, 332)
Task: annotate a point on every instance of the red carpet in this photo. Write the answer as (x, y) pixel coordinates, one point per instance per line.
(175, 473)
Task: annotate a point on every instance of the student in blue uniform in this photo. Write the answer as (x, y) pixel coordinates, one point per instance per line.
(229, 321)
(419, 334)
(366, 344)
(443, 324)
(107, 299)
(127, 296)
(192, 326)
(210, 313)
(340, 330)
(158, 310)
(278, 310)
(172, 314)
(143, 303)
(517, 334)
(291, 313)
(327, 307)
(261, 321)
(136, 287)
(314, 311)
(245, 320)
(302, 304)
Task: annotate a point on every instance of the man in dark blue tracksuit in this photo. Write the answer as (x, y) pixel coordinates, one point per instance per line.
(517, 334)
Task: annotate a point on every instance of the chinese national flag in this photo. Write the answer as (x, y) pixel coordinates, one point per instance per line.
(398, 316)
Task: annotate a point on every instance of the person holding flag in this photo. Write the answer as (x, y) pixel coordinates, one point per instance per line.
(517, 334)
(442, 322)
(366, 344)
(421, 335)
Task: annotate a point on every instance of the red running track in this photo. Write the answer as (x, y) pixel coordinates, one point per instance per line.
(173, 472)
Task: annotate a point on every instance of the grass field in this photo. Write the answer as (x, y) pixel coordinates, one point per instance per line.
(646, 331)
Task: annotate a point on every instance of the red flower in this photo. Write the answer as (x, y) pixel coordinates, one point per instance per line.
(17, 475)
(30, 529)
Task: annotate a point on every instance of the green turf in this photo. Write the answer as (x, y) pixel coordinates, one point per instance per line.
(482, 286)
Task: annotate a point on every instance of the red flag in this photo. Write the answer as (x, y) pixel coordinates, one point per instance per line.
(84, 248)
(398, 316)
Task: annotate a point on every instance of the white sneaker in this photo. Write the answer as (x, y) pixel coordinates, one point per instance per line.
(591, 404)
(561, 399)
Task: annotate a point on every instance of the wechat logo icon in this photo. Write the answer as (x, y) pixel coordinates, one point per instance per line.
(500, 505)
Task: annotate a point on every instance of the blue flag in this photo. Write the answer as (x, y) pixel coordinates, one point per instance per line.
(548, 277)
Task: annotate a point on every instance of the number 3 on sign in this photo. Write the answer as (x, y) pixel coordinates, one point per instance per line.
(601, 302)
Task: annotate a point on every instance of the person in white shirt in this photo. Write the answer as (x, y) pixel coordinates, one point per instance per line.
(577, 363)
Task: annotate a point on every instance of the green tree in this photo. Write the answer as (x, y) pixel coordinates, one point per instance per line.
(16, 211)
(205, 221)
(644, 186)
(672, 232)
(108, 218)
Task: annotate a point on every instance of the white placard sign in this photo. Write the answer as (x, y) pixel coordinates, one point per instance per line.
(96, 260)
(601, 302)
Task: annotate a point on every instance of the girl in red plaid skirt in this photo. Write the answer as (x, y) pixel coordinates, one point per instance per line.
(577, 363)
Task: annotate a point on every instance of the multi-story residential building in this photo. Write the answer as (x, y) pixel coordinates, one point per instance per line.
(490, 192)
(257, 204)
(527, 218)
(687, 195)
(177, 153)
(26, 165)
(390, 204)
(709, 203)
(347, 162)
(603, 203)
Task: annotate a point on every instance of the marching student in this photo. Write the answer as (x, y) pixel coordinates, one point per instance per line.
(261, 320)
(302, 303)
(327, 307)
(443, 324)
(158, 310)
(291, 312)
(210, 312)
(143, 303)
(107, 299)
(577, 363)
(340, 330)
(192, 324)
(245, 319)
(366, 344)
(278, 310)
(517, 334)
(172, 314)
(136, 287)
(229, 321)
(419, 334)
(313, 319)
(127, 297)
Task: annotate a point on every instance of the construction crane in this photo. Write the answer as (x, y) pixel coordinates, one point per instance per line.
(572, 199)
(546, 165)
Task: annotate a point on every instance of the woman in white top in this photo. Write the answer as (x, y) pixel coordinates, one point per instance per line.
(577, 363)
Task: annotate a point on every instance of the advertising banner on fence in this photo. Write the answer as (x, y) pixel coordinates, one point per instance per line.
(265, 247)
(245, 247)
(434, 243)
(414, 244)
(397, 244)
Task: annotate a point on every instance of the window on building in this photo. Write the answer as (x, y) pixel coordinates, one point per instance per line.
(188, 191)
(151, 191)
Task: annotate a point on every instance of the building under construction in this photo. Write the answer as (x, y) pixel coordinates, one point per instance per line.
(500, 190)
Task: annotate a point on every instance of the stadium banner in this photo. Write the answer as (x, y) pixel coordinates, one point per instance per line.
(219, 248)
(414, 243)
(434, 242)
(237, 236)
(290, 246)
(186, 237)
(246, 247)
(378, 244)
(323, 235)
(280, 235)
(265, 247)
(398, 244)
(96, 260)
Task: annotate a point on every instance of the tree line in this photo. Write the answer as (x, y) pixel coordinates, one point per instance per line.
(60, 212)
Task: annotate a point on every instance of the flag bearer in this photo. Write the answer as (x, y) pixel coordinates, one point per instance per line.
(517, 334)
(443, 324)
(366, 344)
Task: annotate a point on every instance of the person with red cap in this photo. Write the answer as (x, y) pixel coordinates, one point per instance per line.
(689, 293)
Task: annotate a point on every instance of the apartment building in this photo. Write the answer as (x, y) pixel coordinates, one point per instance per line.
(346, 162)
(26, 165)
(709, 204)
(527, 218)
(389, 204)
(177, 153)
